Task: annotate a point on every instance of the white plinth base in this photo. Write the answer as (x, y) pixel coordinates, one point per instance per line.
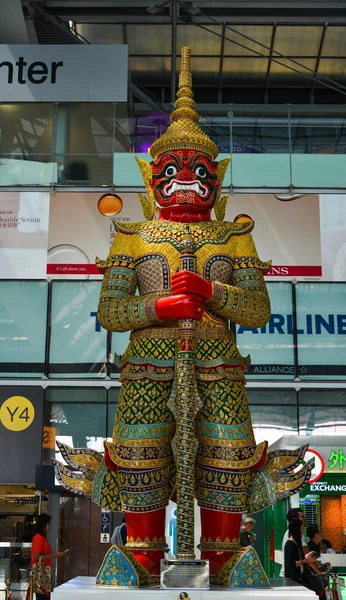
(84, 588)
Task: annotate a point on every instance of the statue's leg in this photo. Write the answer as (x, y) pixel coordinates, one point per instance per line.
(143, 430)
(226, 454)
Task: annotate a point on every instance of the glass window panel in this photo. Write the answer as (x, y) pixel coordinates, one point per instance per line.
(26, 144)
(37, 170)
(23, 317)
(298, 40)
(323, 397)
(26, 130)
(84, 143)
(332, 68)
(256, 111)
(314, 139)
(78, 343)
(218, 129)
(128, 137)
(324, 171)
(258, 136)
(101, 33)
(201, 41)
(275, 397)
(113, 399)
(271, 347)
(272, 422)
(84, 128)
(259, 33)
(204, 70)
(150, 70)
(78, 416)
(322, 420)
(282, 73)
(85, 170)
(149, 38)
(334, 42)
(321, 322)
(250, 70)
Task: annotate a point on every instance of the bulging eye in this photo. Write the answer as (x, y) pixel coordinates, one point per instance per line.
(170, 171)
(201, 172)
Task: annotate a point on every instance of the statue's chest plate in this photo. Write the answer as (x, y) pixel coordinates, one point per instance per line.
(153, 270)
(156, 248)
(218, 267)
(153, 273)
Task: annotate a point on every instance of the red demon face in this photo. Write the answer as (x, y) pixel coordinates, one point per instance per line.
(185, 185)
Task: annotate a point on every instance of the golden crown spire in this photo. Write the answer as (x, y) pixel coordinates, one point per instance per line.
(184, 131)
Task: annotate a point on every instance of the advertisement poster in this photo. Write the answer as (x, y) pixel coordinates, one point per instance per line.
(333, 236)
(79, 232)
(286, 233)
(60, 235)
(24, 218)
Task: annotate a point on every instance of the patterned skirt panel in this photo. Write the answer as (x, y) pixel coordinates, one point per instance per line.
(144, 429)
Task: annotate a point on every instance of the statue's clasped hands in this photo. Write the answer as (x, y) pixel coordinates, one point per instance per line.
(189, 293)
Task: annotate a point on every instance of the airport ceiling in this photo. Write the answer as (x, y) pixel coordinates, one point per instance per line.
(257, 48)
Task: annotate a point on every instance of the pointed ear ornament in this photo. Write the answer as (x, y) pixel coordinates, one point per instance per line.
(220, 203)
(148, 204)
(220, 208)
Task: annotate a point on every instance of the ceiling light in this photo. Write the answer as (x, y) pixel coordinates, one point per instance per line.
(190, 8)
(154, 9)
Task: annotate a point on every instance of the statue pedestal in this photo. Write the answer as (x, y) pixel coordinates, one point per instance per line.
(84, 588)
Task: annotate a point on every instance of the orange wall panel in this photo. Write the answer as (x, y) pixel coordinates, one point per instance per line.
(333, 515)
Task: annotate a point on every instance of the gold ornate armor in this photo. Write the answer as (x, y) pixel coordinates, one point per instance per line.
(144, 256)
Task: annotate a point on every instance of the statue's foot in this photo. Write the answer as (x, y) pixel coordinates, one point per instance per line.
(244, 569)
(121, 569)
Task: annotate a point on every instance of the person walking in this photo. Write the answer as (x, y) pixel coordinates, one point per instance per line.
(42, 558)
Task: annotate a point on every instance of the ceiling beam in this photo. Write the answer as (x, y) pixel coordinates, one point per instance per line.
(294, 5)
(228, 11)
(318, 60)
(272, 42)
(222, 53)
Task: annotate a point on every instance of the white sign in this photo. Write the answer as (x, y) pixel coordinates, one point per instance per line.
(68, 73)
(105, 538)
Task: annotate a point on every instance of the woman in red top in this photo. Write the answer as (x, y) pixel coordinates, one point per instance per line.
(40, 548)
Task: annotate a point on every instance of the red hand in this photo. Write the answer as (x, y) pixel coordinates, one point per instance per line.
(182, 306)
(187, 282)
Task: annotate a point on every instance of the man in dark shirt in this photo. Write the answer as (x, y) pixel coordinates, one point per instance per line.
(246, 537)
(315, 536)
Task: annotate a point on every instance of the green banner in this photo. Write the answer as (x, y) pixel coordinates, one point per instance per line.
(333, 485)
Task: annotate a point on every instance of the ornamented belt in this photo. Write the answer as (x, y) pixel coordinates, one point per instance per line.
(172, 333)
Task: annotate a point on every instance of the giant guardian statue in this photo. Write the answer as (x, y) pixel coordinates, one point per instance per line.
(178, 282)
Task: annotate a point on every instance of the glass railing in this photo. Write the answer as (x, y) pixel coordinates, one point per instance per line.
(274, 147)
(15, 564)
(58, 335)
